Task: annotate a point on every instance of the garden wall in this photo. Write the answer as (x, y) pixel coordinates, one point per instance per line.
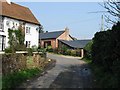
(13, 62)
(16, 62)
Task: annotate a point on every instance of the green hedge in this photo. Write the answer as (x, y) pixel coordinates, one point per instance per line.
(106, 51)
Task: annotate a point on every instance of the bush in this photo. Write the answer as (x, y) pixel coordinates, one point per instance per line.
(49, 49)
(88, 50)
(20, 47)
(8, 50)
(34, 48)
(63, 50)
(30, 51)
(68, 52)
(106, 53)
(78, 52)
(73, 52)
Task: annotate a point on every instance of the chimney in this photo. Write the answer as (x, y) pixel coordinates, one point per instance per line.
(67, 33)
(8, 1)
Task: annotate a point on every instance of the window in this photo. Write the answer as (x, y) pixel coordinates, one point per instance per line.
(28, 30)
(2, 43)
(28, 44)
(1, 24)
(8, 23)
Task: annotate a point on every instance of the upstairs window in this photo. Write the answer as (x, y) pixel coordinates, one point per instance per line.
(1, 24)
(28, 30)
(8, 23)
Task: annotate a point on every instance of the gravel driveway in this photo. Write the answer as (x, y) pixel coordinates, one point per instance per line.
(69, 72)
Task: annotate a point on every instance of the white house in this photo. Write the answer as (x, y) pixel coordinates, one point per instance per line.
(13, 16)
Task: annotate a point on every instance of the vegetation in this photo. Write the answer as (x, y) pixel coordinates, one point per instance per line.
(16, 41)
(49, 49)
(66, 51)
(113, 8)
(88, 50)
(30, 51)
(14, 79)
(105, 62)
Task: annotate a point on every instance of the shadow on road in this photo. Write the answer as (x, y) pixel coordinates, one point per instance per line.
(77, 76)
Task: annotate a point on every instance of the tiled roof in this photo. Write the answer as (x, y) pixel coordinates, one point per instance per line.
(18, 12)
(76, 43)
(50, 35)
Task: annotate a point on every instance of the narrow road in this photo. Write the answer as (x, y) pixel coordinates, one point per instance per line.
(69, 72)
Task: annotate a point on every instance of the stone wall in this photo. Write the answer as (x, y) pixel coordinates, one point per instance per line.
(16, 62)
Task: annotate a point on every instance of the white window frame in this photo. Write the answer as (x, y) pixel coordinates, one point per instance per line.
(28, 30)
(8, 23)
(28, 44)
(2, 43)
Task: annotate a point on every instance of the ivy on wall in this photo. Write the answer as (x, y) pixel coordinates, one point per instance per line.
(16, 40)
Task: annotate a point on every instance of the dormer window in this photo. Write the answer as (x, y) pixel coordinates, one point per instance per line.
(28, 30)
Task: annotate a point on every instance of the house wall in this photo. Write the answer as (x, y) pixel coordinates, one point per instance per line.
(6, 27)
(53, 43)
(64, 36)
(33, 36)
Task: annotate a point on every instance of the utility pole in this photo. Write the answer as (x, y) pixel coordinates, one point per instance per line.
(102, 23)
(102, 19)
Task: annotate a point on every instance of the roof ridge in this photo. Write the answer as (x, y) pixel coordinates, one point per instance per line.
(19, 12)
(19, 5)
(54, 31)
(84, 39)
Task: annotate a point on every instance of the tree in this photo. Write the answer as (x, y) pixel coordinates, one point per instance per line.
(41, 29)
(113, 8)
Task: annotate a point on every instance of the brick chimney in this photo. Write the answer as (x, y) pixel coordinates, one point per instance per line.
(8, 1)
(67, 33)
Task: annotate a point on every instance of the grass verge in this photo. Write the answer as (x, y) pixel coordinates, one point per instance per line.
(14, 79)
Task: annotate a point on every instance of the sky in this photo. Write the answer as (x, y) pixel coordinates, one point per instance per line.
(55, 16)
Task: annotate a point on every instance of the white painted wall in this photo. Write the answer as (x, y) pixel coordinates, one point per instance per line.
(33, 36)
(6, 27)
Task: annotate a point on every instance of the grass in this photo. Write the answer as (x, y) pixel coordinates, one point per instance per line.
(14, 79)
(102, 78)
(89, 61)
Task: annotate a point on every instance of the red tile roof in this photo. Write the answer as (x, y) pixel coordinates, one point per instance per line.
(18, 12)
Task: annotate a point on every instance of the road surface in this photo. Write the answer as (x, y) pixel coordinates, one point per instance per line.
(69, 72)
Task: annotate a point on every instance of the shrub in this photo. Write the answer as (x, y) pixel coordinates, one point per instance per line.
(8, 50)
(88, 50)
(34, 48)
(20, 47)
(106, 54)
(68, 52)
(73, 52)
(78, 52)
(49, 49)
(63, 50)
(30, 51)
